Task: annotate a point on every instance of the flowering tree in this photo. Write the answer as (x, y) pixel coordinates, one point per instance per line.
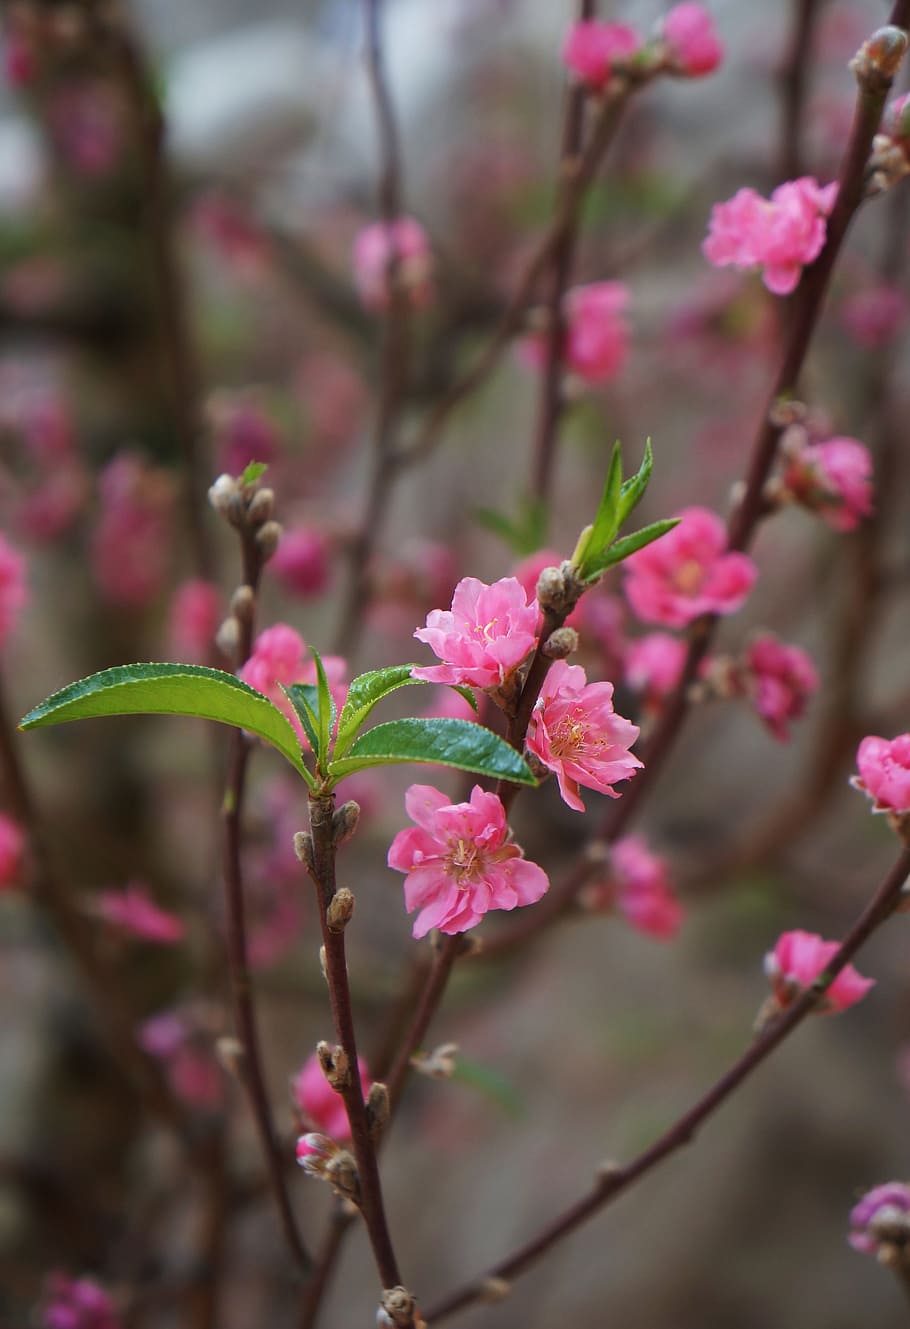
(166, 922)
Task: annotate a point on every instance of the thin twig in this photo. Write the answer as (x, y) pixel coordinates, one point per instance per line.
(613, 1181)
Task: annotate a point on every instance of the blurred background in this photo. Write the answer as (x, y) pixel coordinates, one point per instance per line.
(180, 190)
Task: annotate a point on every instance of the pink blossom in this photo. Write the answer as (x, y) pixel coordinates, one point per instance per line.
(875, 315)
(654, 665)
(834, 480)
(134, 911)
(686, 573)
(76, 1303)
(884, 772)
(243, 431)
(781, 679)
(593, 49)
(50, 507)
(13, 593)
(888, 1203)
(196, 612)
(373, 250)
(797, 961)
(643, 889)
(181, 1040)
(301, 561)
(130, 547)
(597, 336)
(321, 1106)
(460, 861)
(87, 124)
(575, 732)
(222, 222)
(695, 47)
(12, 849)
(487, 634)
(19, 63)
(279, 657)
(333, 395)
(781, 235)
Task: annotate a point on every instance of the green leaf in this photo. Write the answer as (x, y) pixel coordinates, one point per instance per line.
(303, 697)
(606, 520)
(460, 743)
(367, 690)
(634, 488)
(629, 544)
(491, 1084)
(327, 712)
(172, 689)
(526, 534)
(252, 472)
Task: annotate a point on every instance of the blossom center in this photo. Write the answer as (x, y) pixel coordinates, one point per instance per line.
(464, 861)
(569, 736)
(689, 576)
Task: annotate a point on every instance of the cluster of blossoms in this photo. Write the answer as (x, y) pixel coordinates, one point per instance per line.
(76, 1303)
(637, 883)
(831, 478)
(688, 572)
(778, 679)
(684, 43)
(780, 235)
(798, 959)
(279, 657)
(460, 861)
(596, 336)
(403, 242)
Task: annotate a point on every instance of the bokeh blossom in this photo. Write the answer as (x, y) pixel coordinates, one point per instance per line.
(797, 960)
(374, 247)
(133, 911)
(76, 1303)
(637, 883)
(460, 861)
(884, 772)
(320, 1106)
(693, 44)
(780, 679)
(780, 235)
(593, 49)
(279, 657)
(301, 561)
(881, 1218)
(195, 613)
(131, 542)
(487, 634)
(688, 572)
(12, 848)
(654, 665)
(834, 479)
(597, 335)
(13, 593)
(575, 733)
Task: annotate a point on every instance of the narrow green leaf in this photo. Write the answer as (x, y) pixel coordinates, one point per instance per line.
(526, 533)
(328, 711)
(634, 488)
(491, 1084)
(303, 697)
(171, 689)
(629, 544)
(252, 472)
(363, 694)
(606, 520)
(460, 743)
(498, 523)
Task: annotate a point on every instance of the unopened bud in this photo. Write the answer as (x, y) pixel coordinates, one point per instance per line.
(323, 967)
(336, 1066)
(561, 643)
(607, 1172)
(231, 1055)
(398, 1308)
(439, 1064)
(227, 638)
(344, 821)
(340, 910)
(378, 1109)
(305, 851)
(494, 1290)
(260, 507)
(267, 538)
(879, 59)
(551, 589)
(243, 604)
(223, 493)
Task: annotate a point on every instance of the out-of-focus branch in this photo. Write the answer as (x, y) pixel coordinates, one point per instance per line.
(794, 86)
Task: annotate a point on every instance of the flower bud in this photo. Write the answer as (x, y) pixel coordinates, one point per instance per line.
(561, 643)
(227, 638)
(243, 603)
(398, 1308)
(231, 1055)
(879, 59)
(344, 822)
(267, 538)
(303, 848)
(260, 507)
(223, 493)
(335, 1065)
(340, 910)
(551, 589)
(495, 1290)
(378, 1109)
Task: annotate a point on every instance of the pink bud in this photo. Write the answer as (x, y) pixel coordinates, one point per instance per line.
(695, 49)
(301, 562)
(884, 772)
(593, 49)
(797, 961)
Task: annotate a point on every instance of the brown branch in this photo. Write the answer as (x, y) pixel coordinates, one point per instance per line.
(613, 1181)
(794, 83)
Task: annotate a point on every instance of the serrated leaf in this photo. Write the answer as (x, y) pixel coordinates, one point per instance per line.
(171, 689)
(327, 710)
(459, 743)
(363, 694)
(633, 489)
(303, 697)
(606, 519)
(629, 544)
(252, 472)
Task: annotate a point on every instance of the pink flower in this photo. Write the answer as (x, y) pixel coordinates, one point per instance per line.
(575, 732)
(243, 430)
(640, 887)
(695, 48)
(301, 561)
(834, 480)
(134, 911)
(597, 336)
(76, 1303)
(321, 1106)
(373, 250)
(279, 657)
(780, 235)
(592, 49)
(194, 618)
(131, 543)
(884, 772)
(487, 634)
(460, 861)
(797, 961)
(654, 665)
(875, 315)
(888, 1204)
(181, 1040)
(13, 594)
(12, 848)
(686, 573)
(781, 679)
